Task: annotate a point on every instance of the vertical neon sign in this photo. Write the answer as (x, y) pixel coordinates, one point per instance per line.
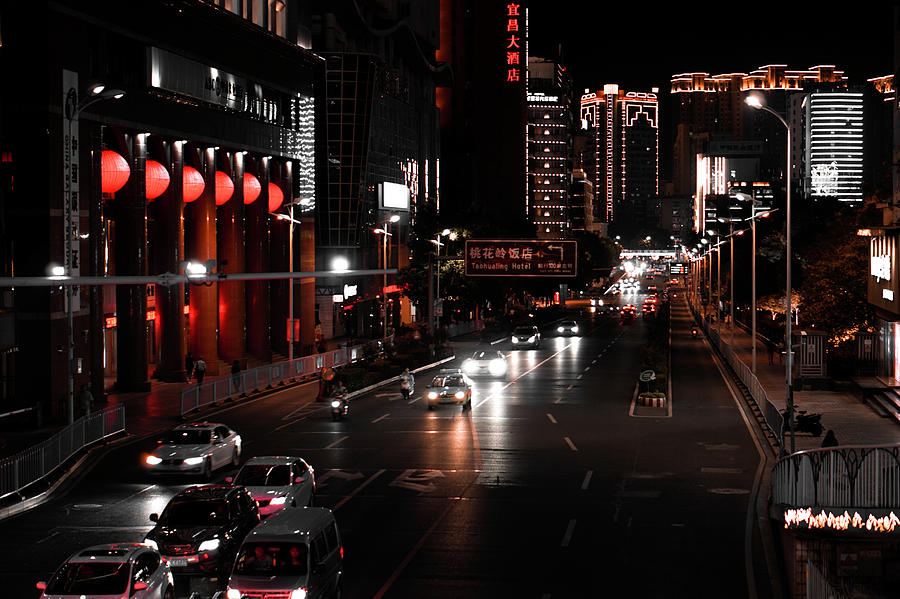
(513, 44)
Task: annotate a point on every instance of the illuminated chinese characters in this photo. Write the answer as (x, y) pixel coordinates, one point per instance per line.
(806, 518)
(514, 43)
(521, 257)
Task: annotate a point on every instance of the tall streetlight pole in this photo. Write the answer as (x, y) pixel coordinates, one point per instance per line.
(73, 107)
(386, 232)
(756, 102)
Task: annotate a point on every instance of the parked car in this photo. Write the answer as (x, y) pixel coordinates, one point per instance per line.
(116, 571)
(198, 447)
(450, 386)
(488, 362)
(201, 528)
(277, 482)
(526, 336)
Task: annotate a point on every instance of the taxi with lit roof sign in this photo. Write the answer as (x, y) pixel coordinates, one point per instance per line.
(449, 387)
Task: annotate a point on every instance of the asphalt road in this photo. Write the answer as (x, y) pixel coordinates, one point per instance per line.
(556, 484)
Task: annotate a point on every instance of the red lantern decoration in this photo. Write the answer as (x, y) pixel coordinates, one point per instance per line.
(114, 171)
(224, 188)
(252, 188)
(156, 179)
(276, 197)
(193, 184)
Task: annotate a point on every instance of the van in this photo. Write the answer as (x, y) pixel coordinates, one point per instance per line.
(294, 553)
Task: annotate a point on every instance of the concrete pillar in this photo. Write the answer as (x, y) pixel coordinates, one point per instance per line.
(232, 305)
(257, 260)
(306, 251)
(202, 247)
(131, 259)
(92, 200)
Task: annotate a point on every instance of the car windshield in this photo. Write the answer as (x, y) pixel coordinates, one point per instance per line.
(272, 559)
(447, 381)
(524, 331)
(93, 578)
(264, 475)
(194, 513)
(187, 437)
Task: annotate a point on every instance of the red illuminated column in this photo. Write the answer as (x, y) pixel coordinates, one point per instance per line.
(232, 307)
(307, 287)
(257, 260)
(280, 262)
(168, 251)
(201, 248)
(130, 255)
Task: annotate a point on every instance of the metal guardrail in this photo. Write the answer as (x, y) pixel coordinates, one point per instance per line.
(840, 477)
(29, 466)
(231, 386)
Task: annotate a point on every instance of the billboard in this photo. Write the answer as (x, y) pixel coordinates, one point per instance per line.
(393, 196)
(522, 257)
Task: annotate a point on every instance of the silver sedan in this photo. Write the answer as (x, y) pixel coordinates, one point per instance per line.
(277, 482)
(199, 448)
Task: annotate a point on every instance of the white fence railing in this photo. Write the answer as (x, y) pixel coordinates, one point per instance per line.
(230, 386)
(31, 465)
(840, 477)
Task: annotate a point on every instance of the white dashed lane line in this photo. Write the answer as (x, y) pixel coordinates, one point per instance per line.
(587, 480)
(570, 444)
(551, 418)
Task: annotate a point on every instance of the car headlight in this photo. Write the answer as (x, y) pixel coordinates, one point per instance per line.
(232, 593)
(278, 500)
(193, 461)
(152, 460)
(151, 543)
(469, 365)
(298, 593)
(432, 395)
(515, 340)
(210, 545)
(497, 366)
(336, 403)
(531, 339)
(575, 329)
(459, 394)
(560, 329)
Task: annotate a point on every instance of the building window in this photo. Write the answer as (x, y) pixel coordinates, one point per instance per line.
(546, 165)
(546, 131)
(278, 17)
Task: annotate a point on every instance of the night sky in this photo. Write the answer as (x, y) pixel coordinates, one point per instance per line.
(640, 45)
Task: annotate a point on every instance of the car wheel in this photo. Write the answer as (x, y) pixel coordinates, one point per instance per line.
(170, 593)
(235, 458)
(430, 407)
(334, 417)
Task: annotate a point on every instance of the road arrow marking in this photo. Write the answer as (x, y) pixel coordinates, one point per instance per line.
(417, 480)
(321, 480)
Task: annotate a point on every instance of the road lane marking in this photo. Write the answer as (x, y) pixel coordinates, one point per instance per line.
(587, 480)
(552, 419)
(569, 388)
(557, 400)
(529, 371)
(380, 418)
(568, 536)
(586, 368)
(571, 445)
(357, 490)
(331, 445)
(579, 377)
(417, 480)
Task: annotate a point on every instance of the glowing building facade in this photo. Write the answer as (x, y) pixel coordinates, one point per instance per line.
(622, 158)
(833, 145)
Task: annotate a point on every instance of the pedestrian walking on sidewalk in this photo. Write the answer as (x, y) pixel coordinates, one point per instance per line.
(770, 348)
(189, 366)
(200, 370)
(85, 400)
(830, 439)
(236, 376)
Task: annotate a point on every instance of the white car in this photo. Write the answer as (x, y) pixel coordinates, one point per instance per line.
(117, 571)
(567, 327)
(199, 447)
(489, 362)
(276, 482)
(450, 386)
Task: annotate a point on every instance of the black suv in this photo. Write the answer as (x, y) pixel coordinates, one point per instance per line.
(202, 528)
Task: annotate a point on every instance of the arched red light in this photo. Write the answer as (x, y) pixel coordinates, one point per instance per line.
(224, 188)
(252, 188)
(156, 179)
(193, 184)
(276, 197)
(114, 171)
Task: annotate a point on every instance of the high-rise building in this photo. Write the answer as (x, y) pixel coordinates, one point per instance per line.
(549, 148)
(832, 164)
(622, 160)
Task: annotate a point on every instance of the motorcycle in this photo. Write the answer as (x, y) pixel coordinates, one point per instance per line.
(340, 406)
(807, 422)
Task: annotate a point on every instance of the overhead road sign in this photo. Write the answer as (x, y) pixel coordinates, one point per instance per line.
(522, 257)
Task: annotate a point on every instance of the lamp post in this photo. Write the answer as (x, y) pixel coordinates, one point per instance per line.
(291, 222)
(437, 245)
(756, 102)
(73, 107)
(386, 232)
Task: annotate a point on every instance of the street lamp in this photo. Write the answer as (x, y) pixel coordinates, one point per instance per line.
(756, 102)
(437, 245)
(73, 107)
(291, 222)
(386, 232)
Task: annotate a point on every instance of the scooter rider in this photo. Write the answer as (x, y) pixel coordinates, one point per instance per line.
(407, 383)
(693, 331)
(339, 406)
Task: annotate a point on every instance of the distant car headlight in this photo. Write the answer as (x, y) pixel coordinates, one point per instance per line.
(336, 403)
(575, 329)
(210, 545)
(469, 366)
(560, 329)
(233, 594)
(497, 366)
(432, 395)
(152, 460)
(298, 594)
(459, 394)
(515, 340)
(151, 543)
(278, 501)
(531, 339)
(193, 461)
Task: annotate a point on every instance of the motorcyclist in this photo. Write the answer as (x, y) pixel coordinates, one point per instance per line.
(693, 331)
(407, 383)
(340, 391)
(339, 398)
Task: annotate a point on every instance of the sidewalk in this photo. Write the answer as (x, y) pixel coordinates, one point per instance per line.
(853, 422)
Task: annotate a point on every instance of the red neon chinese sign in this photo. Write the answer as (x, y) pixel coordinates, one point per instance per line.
(514, 42)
